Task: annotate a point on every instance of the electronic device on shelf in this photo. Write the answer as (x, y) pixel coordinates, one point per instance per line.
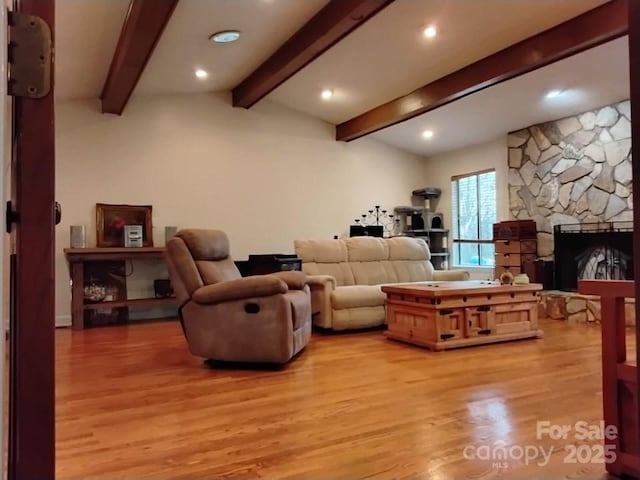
(133, 236)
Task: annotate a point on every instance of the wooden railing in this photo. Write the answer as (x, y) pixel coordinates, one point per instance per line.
(619, 376)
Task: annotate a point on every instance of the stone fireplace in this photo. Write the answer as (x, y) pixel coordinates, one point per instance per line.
(573, 170)
(573, 177)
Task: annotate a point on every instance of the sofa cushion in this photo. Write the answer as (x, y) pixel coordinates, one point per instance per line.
(366, 249)
(408, 248)
(413, 270)
(321, 251)
(362, 317)
(373, 273)
(325, 257)
(355, 296)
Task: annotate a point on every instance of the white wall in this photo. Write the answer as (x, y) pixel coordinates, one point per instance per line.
(440, 168)
(266, 176)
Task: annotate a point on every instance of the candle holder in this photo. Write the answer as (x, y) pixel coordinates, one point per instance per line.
(377, 222)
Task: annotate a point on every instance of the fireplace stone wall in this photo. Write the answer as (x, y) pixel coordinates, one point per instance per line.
(573, 170)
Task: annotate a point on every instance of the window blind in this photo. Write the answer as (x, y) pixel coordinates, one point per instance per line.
(473, 206)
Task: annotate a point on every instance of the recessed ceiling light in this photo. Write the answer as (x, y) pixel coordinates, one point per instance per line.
(201, 73)
(226, 36)
(326, 94)
(430, 31)
(427, 134)
(553, 94)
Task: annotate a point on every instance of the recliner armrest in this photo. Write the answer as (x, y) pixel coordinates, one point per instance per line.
(295, 280)
(257, 286)
(450, 275)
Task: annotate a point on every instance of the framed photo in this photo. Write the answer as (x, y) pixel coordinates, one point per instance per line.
(111, 219)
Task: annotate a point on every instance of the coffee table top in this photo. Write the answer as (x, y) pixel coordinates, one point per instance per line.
(470, 287)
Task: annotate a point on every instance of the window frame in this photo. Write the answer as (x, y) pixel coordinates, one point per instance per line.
(456, 242)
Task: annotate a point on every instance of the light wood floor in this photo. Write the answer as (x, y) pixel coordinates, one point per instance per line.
(132, 402)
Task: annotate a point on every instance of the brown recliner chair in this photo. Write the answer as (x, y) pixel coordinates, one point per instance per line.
(264, 318)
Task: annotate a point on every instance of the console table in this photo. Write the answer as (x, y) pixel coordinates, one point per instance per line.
(77, 257)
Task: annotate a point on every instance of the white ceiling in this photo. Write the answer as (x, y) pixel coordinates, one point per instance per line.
(86, 36)
(385, 58)
(388, 56)
(591, 79)
(185, 46)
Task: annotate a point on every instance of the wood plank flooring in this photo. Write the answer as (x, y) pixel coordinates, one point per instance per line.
(133, 403)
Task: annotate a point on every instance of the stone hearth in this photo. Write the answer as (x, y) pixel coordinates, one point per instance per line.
(577, 308)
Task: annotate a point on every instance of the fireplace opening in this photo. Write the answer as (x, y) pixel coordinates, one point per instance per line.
(598, 251)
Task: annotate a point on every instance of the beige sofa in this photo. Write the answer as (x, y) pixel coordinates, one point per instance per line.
(345, 276)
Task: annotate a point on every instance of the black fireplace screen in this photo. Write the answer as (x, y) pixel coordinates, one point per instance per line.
(601, 251)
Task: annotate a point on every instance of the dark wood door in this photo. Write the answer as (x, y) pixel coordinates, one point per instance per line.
(634, 72)
(31, 452)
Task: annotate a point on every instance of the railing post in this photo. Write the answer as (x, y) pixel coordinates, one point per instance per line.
(613, 353)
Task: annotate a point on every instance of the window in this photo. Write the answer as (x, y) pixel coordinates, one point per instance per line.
(473, 202)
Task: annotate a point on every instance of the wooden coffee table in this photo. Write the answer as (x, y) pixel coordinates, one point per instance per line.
(443, 315)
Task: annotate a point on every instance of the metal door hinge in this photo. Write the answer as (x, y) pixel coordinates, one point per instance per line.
(29, 56)
(11, 217)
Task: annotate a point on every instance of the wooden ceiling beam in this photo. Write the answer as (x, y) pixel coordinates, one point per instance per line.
(602, 24)
(142, 28)
(326, 28)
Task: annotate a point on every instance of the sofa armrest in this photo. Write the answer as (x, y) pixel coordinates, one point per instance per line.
(450, 275)
(321, 287)
(295, 280)
(257, 286)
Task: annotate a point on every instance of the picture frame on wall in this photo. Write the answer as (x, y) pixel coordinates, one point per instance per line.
(111, 219)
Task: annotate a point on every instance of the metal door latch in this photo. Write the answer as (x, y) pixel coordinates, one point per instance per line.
(29, 56)
(57, 213)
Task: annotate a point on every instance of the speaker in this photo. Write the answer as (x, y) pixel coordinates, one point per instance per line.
(374, 230)
(357, 231)
(169, 232)
(78, 237)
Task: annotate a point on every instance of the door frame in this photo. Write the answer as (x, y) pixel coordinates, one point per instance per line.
(634, 96)
(32, 381)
